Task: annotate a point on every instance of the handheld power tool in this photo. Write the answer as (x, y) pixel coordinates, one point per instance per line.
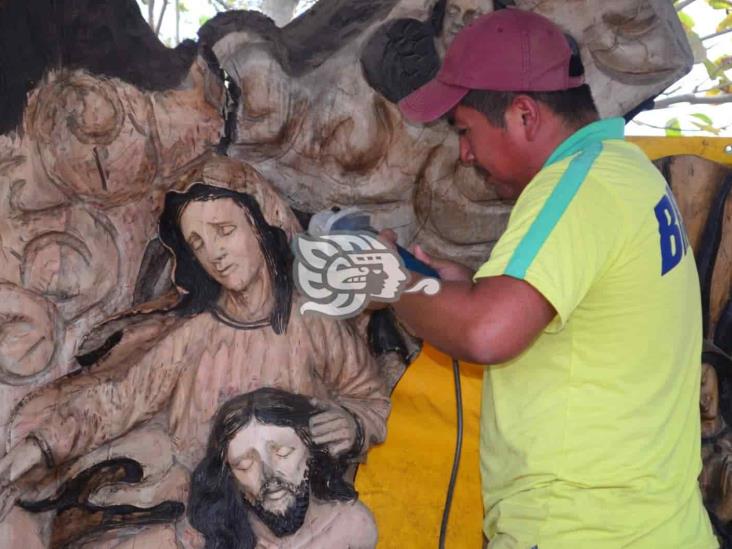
(356, 220)
(353, 219)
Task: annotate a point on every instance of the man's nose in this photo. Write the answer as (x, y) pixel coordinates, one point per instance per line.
(466, 152)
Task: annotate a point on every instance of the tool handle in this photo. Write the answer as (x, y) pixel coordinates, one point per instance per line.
(415, 265)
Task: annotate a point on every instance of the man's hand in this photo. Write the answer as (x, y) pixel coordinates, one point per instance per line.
(448, 270)
(335, 428)
(388, 237)
(18, 461)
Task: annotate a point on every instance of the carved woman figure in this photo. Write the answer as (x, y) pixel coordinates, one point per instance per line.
(233, 330)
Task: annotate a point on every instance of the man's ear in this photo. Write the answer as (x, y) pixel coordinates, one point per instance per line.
(524, 116)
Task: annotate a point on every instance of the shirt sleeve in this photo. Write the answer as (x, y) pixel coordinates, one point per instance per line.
(562, 234)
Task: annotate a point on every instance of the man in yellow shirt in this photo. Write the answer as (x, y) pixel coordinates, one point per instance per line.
(587, 311)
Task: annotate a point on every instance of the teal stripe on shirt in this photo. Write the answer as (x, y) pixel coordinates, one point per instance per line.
(552, 211)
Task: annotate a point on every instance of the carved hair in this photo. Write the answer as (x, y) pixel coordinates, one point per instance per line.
(216, 507)
(202, 291)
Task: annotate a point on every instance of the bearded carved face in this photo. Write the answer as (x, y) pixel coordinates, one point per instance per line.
(270, 466)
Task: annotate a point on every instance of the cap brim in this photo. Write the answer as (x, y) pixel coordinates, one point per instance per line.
(431, 101)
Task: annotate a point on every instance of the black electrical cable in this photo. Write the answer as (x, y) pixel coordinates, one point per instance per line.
(458, 449)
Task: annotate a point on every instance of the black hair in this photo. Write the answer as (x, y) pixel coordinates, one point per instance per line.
(575, 105)
(201, 290)
(216, 507)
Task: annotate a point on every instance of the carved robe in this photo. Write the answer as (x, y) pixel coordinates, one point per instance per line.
(188, 368)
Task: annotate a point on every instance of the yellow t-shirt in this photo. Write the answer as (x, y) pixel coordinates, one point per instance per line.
(591, 437)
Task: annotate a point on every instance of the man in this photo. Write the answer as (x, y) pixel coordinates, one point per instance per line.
(587, 312)
(265, 483)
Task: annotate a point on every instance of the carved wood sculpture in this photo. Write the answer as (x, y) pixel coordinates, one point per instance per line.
(301, 501)
(716, 477)
(98, 121)
(702, 189)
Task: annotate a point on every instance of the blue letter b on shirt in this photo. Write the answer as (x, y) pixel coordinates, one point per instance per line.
(673, 243)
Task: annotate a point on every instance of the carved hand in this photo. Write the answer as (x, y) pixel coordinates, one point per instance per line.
(19, 460)
(335, 428)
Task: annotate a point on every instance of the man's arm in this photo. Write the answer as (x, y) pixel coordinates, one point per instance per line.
(488, 322)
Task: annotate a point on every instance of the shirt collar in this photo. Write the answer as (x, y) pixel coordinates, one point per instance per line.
(607, 128)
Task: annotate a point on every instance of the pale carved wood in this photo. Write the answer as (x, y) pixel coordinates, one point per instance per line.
(82, 182)
(721, 290)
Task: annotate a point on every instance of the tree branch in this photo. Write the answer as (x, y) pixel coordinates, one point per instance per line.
(160, 19)
(221, 4)
(656, 127)
(720, 33)
(693, 99)
(681, 5)
(151, 13)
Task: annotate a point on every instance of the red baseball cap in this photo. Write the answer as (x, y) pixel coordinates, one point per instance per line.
(505, 50)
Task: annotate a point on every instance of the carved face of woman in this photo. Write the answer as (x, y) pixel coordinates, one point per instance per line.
(269, 462)
(223, 240)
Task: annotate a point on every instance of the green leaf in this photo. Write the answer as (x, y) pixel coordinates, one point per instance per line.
(697, 46)
(673, 128)
(711, 67)
(686, 20)
(703, 117)
(203, 19)
(707, 128)
(720, 4)
(725, 23)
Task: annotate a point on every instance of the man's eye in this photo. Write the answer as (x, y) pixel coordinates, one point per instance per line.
(226, 230)
(284, 451)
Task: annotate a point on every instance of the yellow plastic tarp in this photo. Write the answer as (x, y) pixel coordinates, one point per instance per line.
(404, 481)
(717, 149)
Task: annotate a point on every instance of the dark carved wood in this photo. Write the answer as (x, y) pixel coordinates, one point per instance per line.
(707, 254)
(78, 519)
(306, 42)
(108, 38)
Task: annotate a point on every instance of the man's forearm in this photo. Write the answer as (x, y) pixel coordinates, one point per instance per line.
(446, 320)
